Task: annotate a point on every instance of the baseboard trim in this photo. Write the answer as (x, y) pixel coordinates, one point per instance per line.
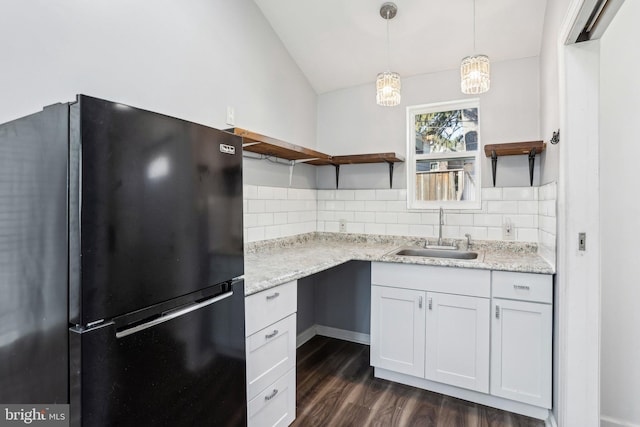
(460, 393)
(606, 421)
(327, 331)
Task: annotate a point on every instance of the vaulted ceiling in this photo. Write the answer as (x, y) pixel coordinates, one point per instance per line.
(342, 43)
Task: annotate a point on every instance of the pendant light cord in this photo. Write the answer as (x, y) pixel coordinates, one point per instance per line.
(474, 27)
(388, 49)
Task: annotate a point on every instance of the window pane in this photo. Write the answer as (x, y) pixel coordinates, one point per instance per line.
(453, 179)
(447, 131)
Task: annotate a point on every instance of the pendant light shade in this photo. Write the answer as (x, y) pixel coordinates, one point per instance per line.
(475, 74)
(475, 70)
(388, 83)
(388, 89)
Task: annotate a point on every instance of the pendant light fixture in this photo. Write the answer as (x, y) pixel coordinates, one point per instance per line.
(388, 83)
(475, 69)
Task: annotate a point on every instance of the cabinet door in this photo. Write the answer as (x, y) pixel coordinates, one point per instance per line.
(521, 351)
(397, 330)
(457, 348)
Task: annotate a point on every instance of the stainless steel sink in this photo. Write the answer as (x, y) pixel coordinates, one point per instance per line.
(436, 253)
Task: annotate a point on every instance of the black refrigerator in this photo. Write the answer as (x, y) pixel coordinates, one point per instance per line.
(140, 230)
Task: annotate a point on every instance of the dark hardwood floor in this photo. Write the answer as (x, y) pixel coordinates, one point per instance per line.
(336, 387)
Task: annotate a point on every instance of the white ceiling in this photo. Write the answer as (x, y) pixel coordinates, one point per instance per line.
(342, 43)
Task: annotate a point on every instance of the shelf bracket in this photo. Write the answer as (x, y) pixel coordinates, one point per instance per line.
(532, 162)
(292, 163)
(390, 174)
(494, 165)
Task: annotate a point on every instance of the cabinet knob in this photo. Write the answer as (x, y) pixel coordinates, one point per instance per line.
(275, 295)
(272, 334)
(272, 395)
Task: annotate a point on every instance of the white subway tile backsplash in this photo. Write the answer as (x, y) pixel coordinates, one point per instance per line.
(265, 219)
(255, 234)
(280, 218)
(458, 219)
(365, 194)
(528, 207)
(387, 195)
(421, 230)
(250, 192)
(503, 207)
(256, 206)
(375, 206)
(374, 228)
(326, 194)
(345, 215)
(272, 212)
(397, 206)
(487, 220)
(492, 194)
(334, 205)
(527, 234)
(355, 227)
(518, 193)
(386, 217)
(398, 229)
(354, 205)
(345, 195)
(365, 216)
(409, 218)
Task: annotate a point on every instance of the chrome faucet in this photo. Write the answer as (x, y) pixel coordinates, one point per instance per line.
(440, 222)
(468, 236)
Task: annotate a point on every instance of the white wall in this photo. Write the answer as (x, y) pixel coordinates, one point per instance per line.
(619, 214)
(549, 85)
(350, 122)
(190, 59)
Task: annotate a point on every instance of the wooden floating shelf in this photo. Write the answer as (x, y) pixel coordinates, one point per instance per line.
(530, 148)
(267, 146)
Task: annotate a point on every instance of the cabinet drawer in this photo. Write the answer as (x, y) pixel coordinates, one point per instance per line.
(271, 352)
(266, 307)
(276, 404)
(522, 286)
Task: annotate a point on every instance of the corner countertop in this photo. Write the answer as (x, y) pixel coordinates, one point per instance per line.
(272, 263)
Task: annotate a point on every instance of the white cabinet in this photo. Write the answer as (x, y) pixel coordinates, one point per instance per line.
(398, 329)
(271, 355)
(457, 347)
(521, 337)
(439, 336)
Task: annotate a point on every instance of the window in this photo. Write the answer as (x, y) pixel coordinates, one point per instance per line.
(443, 155)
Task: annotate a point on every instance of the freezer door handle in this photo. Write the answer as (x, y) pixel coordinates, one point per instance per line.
(171, 315)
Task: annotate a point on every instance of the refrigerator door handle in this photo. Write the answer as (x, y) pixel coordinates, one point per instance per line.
(171, 315)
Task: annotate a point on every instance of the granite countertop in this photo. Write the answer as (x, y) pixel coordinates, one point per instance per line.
(272, 263)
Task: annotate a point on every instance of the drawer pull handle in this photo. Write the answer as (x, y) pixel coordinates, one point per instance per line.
(521, 287)
(430, 303)
(272, 395)
(272, 334)
(275, 295)
(419, 302)
(497, 311)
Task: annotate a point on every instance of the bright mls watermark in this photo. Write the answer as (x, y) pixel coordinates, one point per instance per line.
(34, 415)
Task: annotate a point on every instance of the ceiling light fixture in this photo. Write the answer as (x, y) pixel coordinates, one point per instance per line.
(388, 83)
(475, 69)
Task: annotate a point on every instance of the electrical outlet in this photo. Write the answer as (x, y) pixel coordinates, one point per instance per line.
(508, 230)
(343, 225)
(231, 116)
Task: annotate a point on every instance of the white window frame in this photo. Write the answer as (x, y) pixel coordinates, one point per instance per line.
(414, 204)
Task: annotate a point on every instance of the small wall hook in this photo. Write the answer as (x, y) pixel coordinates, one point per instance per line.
(555, 138)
